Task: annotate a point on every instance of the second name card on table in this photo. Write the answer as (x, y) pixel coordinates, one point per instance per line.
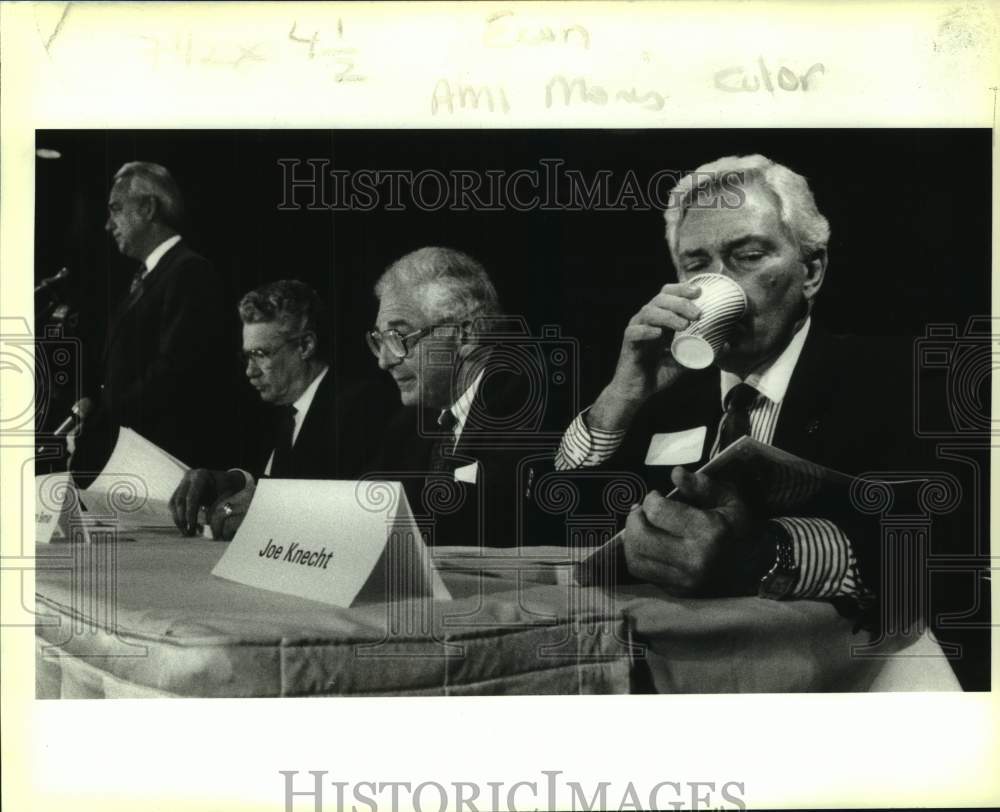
(333, 541)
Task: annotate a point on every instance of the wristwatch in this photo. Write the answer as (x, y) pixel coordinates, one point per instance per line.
(784, 574)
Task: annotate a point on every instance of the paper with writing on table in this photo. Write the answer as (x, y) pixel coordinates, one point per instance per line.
(773, 482)
(136, 484)
(334, 541)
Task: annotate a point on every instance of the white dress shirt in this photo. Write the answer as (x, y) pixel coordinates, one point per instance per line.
(157, 254)
(462, 407)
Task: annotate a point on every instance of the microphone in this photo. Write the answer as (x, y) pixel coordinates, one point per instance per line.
(52, 281)
(78, 414)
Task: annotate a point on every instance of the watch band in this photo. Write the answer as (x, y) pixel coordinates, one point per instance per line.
(784, 574)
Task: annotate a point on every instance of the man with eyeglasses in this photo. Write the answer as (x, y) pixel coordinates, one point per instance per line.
(316, 430)
(460, 445)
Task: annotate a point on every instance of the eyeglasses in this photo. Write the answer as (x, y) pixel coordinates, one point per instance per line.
(261, 356)
(398, 344)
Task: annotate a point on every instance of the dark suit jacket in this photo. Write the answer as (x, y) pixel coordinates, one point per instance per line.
(341, 432)
(166, 365)
(510, 438)
(849, 406)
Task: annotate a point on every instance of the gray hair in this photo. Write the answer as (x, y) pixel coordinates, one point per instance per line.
(456, 286)
(155, 181)
(796, 203)
(294, 306)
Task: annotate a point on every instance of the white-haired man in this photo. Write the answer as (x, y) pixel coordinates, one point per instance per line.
(471, 424)
(166, 344)
(782, 379)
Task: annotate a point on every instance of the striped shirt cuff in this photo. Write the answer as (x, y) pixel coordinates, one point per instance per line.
(825, 558)
(585, 447)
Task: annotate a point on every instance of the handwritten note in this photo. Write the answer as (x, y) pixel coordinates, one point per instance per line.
(506, 29)
(761, 76)
(325, 47)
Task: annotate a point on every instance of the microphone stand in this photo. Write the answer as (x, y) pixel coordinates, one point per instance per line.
(52, 309)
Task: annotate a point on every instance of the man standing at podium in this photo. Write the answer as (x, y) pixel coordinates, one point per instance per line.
(165, 342)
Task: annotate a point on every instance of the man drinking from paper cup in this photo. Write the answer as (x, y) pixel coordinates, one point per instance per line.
(317, 427)
(731, 349)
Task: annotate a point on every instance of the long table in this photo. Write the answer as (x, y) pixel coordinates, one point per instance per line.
(144, 617)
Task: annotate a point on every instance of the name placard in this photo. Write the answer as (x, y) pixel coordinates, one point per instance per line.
(57, 507)
(334, 541)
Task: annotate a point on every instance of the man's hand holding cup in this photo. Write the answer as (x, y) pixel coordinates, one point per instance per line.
(645, 365)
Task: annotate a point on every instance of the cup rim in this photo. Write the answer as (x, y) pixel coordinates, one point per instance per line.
(732, 282)
(693, 341)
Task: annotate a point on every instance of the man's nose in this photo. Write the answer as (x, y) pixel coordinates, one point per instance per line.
(386, 359)
(717, 265)
(108, 224)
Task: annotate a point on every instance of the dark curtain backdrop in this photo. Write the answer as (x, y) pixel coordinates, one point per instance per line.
(909, 209)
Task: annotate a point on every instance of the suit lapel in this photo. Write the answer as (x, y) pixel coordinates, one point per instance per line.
(807, 402)
(496, 392)
(700, 397)
(153, 280)
(709, 394)
(320, 411)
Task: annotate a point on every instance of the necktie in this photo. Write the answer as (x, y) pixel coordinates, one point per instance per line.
(137, 279)
(281, 465)
(736, 420)
(443, 449)
(136, 287)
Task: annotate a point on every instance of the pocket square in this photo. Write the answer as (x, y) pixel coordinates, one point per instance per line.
(676, 447)
(467, 473)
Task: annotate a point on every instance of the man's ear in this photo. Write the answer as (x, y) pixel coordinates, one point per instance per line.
(815, 266)
(148, 207)
(468, 337)
(308, 346)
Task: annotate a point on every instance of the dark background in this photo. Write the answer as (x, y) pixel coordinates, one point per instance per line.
(909, 211)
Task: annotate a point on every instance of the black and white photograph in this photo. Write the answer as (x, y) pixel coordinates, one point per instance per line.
(530, 412)
(354, 440)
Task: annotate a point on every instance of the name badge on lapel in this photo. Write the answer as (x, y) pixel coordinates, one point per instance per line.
(676, 447)
(467, 473)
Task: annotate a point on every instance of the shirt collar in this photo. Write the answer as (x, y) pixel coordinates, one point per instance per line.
(463, 406)
(304, 401)
(157, 253)
(773, 382)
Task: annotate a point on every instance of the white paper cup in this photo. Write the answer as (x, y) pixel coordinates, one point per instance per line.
(723, 303)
